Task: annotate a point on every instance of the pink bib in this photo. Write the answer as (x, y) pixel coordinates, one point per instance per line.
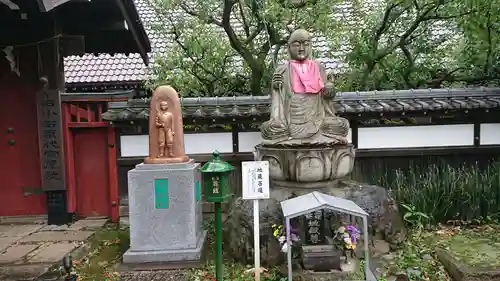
(306, 77)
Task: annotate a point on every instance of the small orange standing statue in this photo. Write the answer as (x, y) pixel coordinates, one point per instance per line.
(166, 131)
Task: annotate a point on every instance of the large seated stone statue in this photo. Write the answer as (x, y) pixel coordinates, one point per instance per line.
(304, 141)
(301, 112)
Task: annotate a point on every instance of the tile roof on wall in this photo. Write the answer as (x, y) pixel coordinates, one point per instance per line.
(364, 104)
(104, 68)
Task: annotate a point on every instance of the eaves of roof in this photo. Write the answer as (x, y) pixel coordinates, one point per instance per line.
(346, 104)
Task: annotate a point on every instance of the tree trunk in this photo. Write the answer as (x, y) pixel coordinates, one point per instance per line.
(255, 82)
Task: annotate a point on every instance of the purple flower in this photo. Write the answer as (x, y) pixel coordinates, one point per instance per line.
(353, 232)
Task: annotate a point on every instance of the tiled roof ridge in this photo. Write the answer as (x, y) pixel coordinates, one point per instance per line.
(358, 95)
(418, 100)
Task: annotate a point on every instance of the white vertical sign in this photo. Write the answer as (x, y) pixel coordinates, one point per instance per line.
(255, 176)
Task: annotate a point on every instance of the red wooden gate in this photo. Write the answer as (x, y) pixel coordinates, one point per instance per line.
(20, 172)
(91, 172)
(90, 159)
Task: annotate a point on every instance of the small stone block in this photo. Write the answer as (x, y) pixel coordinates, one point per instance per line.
(53, 227)
(16, 253)
(88, 224)
(124, 222)
(23, 272)
(57, 236)
(350, 267)
(53, 253)
(18, 230)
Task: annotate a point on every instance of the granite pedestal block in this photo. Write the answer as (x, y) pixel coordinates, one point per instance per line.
(165, 212)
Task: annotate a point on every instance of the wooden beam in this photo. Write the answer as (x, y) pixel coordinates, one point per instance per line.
(132, 25)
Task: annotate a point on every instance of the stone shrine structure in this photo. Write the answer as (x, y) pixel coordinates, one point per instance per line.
(307, 147)
(165, 207)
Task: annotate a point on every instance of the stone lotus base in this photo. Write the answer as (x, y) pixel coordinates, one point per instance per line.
(314, 165)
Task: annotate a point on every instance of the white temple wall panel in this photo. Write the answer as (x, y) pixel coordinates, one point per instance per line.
(368, 138)
(416, 136)
(490, 134)
(138, 145)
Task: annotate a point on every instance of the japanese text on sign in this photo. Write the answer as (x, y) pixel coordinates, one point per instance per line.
(255, 176)
(314, 222)
(215, 184)
(51, 153)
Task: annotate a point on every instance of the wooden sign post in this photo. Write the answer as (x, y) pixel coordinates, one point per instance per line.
(255, 176)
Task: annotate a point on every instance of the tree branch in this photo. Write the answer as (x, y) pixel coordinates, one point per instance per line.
(187, 52)
(439, 78)
(233, 38)
(383, 26)
(256, 31)
(410, 67)
(490, 46)
(244, 22)
(207, 19)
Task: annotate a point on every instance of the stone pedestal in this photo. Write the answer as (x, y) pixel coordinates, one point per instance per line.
(321, 257)
(165, 214)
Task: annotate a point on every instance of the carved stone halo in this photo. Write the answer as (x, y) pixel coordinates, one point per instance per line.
(168, 94)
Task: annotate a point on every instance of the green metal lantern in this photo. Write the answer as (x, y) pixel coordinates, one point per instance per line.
(216, 174)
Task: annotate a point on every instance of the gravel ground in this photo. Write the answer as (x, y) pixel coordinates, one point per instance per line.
(157, 275)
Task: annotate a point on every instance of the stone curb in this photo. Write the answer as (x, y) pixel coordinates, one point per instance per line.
(461, 272)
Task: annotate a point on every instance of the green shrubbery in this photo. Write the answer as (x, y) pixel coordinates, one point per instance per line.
(443, 192)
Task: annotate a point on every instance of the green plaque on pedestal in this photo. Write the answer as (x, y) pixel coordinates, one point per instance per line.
(161, 193)
(198, 191)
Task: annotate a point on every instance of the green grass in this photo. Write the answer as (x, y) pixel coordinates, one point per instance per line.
(445, 192)
(411, 256)
(106, 249)
(476, 247)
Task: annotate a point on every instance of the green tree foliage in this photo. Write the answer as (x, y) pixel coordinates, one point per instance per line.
(425, 44)
(231, 46)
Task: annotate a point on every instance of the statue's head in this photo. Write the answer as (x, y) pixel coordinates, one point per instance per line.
(299, 45)
(163, 105)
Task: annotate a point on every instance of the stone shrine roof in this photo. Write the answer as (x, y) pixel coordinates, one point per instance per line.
(313, 201)
(372, 103)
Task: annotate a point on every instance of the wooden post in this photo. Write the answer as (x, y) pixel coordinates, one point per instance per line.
(113, 176)
(50, 130)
